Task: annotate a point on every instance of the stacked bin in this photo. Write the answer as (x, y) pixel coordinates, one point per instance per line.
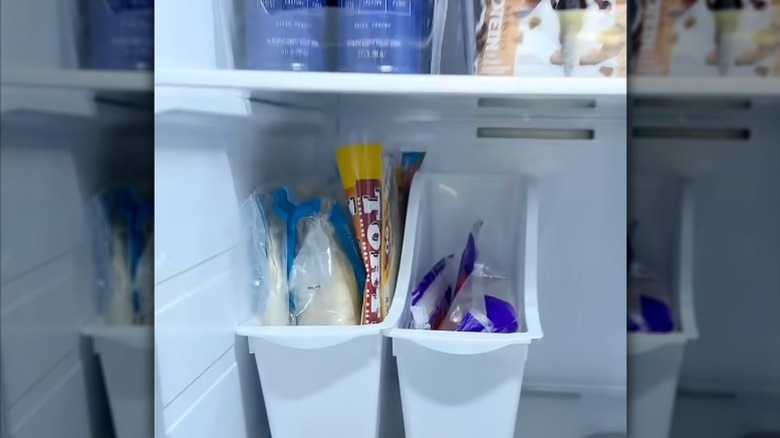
(446, 375)
(655, 359)
(124, 353)
(342, 381)
(327, 380)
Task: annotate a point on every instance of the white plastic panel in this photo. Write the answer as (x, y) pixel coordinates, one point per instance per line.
(195, 319)
(196, 215)
(225, 399)
(41, 316)
(61, 397)
(30, 238)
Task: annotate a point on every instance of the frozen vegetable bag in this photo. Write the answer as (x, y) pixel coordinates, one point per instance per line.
(360, 167)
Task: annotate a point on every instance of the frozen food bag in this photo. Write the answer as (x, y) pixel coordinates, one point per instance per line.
(390, 227)
(483, 299)
(484, 304)
(518, 38)
(360, 168)
(433, 295)
(267, 240)
(122, 219)
(321, 280)
(144, 284)
(121, 307)
(345, 233)
(649, 301)
(408, 165)
(468, 257)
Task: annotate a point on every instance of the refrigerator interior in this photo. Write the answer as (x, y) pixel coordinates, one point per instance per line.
(723, 381)
(220, 133)
(67, 133)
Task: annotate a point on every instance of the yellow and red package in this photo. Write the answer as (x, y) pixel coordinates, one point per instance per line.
(360, 168)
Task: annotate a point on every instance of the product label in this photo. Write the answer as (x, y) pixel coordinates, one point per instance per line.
(497, 35)
(360, 167)
(121, 35)
(286, 34)
(381, 35)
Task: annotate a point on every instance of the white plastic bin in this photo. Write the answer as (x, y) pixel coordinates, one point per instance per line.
(125, 354)
(664, 207)
(328, 381)
(458, 384)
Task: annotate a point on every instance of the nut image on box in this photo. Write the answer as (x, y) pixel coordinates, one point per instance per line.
(599, 45)
(678, 39)
(751, 46)
(518, 38)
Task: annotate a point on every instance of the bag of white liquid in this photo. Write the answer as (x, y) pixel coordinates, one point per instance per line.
(322, 282)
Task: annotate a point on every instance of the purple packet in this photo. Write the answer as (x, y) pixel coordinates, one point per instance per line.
(468, 257)
(649, 303)
(432, 297)
(501, 318)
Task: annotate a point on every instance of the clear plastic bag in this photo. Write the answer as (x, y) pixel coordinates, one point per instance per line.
(649, 301)
(267, 243)
(484, 299)
(322, 283)
(122, 220)
(432, 297)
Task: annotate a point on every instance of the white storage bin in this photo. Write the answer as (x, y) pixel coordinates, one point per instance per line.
(458, 384)
(125, 354)
(327, 381)
(664, 239)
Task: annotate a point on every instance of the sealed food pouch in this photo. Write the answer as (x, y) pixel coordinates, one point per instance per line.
(469, 256)
(321, 280)
(269, 260)
(484, 304)
(432, 297)
(390, 226)
(360, 168)
(408, 165)
(649, 302)
(483, 299)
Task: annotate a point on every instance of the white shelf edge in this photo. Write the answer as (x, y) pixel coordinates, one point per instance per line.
(119, 81)
(704, 87)
(358, 83)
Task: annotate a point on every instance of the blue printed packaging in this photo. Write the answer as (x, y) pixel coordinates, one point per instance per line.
(287, 35)
(384, 36)
(121, 35)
